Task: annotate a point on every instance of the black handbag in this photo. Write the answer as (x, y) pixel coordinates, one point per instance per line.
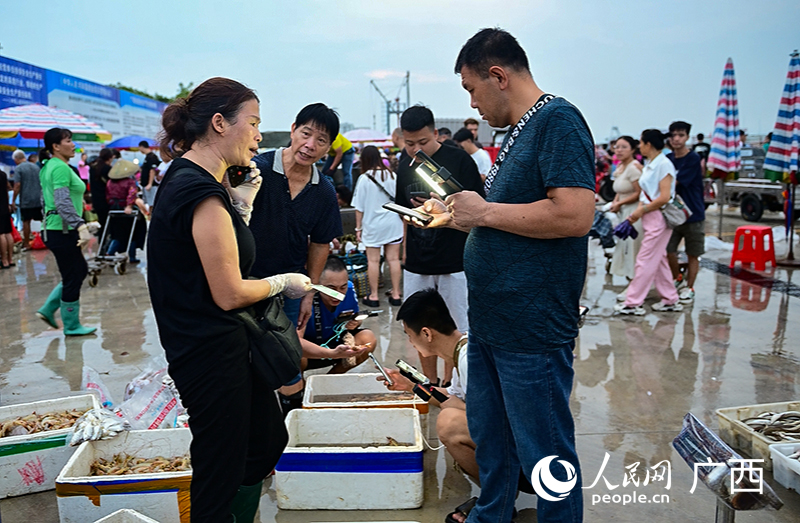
(275, 349)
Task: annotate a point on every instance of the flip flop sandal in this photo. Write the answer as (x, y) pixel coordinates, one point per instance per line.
(463, 509)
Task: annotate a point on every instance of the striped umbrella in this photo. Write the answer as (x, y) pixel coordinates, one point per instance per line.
(32, 121)
(782, 155)
(725, 156)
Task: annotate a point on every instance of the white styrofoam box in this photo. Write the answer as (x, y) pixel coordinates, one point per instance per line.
(31, 463)
(126, 516)
(162, 496)
(353, 384)
(786, 471)
(326, 467)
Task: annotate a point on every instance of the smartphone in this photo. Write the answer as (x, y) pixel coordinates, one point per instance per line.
(237, 175)
(381, 369)
(411, 213)
(422, 195)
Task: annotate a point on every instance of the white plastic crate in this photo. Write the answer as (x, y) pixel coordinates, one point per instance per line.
(161, 496)
(786, 471)
(353, 385)
(341, 459)
(741, 437)
(126, 516)
(31, 463)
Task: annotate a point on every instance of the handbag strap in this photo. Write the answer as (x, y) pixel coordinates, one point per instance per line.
(381, 187)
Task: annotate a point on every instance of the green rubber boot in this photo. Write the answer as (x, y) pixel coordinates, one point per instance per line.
(47, 311)
(70, 315)
(245, 503)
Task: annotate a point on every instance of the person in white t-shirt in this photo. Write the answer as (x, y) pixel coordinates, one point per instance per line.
(376, 226)
(464, 139)
(657, 184)
(432, 331)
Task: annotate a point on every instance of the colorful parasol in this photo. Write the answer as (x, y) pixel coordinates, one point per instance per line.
(130, 143)
(366, 135)
(782, 155)
(32, 121)
(725, 156)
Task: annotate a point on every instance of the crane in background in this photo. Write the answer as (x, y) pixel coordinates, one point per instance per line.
(395, 106)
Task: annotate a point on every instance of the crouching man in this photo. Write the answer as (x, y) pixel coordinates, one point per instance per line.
(332, 338)
(432, 331)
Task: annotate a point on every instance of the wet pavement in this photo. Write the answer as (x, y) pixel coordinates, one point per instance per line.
(636, 377)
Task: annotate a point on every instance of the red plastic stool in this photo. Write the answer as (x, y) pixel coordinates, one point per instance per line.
(749, 297)
(748, 246)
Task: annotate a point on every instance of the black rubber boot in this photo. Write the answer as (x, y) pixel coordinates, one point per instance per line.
(245, 503)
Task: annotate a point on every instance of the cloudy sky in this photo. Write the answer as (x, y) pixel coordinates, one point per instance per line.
(631, 65)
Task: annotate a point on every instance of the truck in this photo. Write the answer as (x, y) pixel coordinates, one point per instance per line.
(752, 192)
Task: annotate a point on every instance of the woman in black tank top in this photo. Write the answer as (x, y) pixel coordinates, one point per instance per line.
(199, 256)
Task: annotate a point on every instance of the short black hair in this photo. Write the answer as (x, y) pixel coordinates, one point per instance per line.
(490, 47)
(426, 308)
(444, 131)
(54, 136)
(680, 126)
(144, 143)
(462, 135)
(320, 116)
(654, 137)
(335, 264)
(701, 136)
(416, 118)
(345, 194)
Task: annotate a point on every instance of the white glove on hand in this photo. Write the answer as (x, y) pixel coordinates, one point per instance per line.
(84, 235)
(244, 195)
(292, 285)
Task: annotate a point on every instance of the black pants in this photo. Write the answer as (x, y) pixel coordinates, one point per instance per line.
(71, 263)
(238, 435)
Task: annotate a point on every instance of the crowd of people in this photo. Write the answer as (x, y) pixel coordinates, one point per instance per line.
(491, 284)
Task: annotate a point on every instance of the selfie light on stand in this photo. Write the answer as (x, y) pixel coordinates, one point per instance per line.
(440, 179)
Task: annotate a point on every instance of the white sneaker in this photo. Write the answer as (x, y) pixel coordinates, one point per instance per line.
(621, 308)
(686, 295)
(665, 307)
(622, 296)
(680, 284)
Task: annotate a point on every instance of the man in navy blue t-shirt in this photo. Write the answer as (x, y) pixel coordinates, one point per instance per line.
(525, 261)
(689, 185)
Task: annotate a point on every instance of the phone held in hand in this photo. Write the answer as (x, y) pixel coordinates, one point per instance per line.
(237, 175)
(422, 195)
(411, 213)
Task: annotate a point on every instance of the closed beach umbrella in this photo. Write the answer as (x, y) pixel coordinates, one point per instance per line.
(32, 121)
(130, 143)
(725, 156)
(784, 149)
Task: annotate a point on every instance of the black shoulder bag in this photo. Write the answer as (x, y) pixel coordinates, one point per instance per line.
(275, 349)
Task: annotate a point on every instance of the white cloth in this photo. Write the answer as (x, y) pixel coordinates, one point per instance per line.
(458, 383)
(483, 161)
(655, 171)
(452, 287)
(379, 226)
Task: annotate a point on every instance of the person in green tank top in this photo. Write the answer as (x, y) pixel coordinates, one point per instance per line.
(65, 232)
